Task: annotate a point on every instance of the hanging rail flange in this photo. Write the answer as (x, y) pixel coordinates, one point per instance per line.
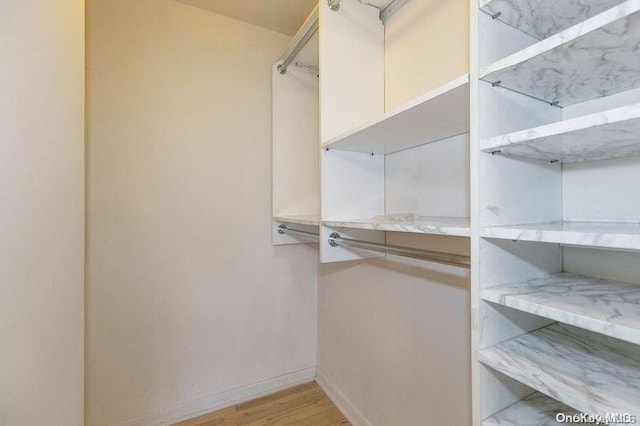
(335, 240)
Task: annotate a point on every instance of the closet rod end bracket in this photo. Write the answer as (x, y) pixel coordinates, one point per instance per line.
(333, 239)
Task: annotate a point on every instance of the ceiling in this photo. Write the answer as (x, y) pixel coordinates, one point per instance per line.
(283, 16)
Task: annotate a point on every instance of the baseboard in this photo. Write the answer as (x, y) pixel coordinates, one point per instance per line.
(352, 414)
(208, 404)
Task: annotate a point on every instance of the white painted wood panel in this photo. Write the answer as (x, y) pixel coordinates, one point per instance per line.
(610, 264)
(295, 136)
(351, 67)
(352, 188)
(430, 180)
(498, 40)
(351, 93)
(604, 190)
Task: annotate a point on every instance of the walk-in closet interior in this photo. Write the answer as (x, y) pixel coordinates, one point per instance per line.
(317, 213)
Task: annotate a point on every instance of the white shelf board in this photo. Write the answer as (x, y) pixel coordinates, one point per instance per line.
(608, 307)
(538, 410)
(600, 136)
(436, 115)
(311, 220)
(544, 18)
(458, 227)
(586, 371)
(593, 59)
(614, 235)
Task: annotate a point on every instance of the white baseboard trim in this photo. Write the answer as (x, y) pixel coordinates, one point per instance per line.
(352, 414)
(219, 401)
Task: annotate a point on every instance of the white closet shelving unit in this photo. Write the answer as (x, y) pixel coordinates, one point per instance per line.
(556, 215)
(436, 116)
(533, 158)
(404, 171)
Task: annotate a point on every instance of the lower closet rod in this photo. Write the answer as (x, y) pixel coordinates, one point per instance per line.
(335, 240)
(284, 229)
(462, 261)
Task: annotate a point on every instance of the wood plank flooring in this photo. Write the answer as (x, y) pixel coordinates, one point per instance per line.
(305, 405)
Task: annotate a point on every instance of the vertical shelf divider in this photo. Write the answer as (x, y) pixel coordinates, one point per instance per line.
(351, 93)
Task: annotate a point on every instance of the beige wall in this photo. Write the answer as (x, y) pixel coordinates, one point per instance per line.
(187, 298)
(41, 212)
(394, 335)
(427, 45)
(394, 339)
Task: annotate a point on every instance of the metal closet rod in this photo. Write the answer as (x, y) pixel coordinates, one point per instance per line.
(311, 25)
(392, 8)
(284, 229)
(336, 240)
(300, 40)
(385, 13)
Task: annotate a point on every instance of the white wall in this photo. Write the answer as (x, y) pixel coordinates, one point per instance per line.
(41, 212)
(394, 335)
(188, 301)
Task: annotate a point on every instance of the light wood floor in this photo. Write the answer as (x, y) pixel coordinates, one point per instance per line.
(305, 405)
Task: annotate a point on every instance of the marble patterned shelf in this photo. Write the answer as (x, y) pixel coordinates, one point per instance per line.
(608, 307)
(593, 59)
(439, 114)
(458, 227)
(586, 371)
(614, 235)
(544, 18)
(311, 220)
(537, 409)
(599, 136)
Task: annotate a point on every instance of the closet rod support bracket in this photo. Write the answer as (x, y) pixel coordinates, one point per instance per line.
(333, 239)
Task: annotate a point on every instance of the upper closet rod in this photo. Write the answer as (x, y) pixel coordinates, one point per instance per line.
(385, 13)
(459, 260)
(301, 38)
(391, 8)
